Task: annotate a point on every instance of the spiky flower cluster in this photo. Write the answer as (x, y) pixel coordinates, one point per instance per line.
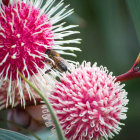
(27, 29)
(89, 103)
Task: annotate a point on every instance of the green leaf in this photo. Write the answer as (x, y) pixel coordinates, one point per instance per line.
(21, 128)
(11, 135)
(134, 8)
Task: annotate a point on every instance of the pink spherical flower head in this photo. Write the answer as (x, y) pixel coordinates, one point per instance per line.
(89, 103)
(27, 30)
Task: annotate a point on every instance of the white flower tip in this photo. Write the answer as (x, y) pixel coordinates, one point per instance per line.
(74, 55)
(76, 49)
(79, 40)
(76, 32)
(76, 25)
(79, 50)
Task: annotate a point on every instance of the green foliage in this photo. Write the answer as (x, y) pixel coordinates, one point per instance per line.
(134, 8)
(11, 135)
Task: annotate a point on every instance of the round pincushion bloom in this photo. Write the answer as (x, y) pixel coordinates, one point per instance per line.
(27, 30)
(89, 103)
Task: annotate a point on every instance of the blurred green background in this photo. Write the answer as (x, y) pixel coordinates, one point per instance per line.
(109, 38)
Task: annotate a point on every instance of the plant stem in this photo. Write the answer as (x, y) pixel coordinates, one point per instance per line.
(134, 72)
(53, 115)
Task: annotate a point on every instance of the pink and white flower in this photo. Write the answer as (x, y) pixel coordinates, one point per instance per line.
(89, 103)
(27, 29)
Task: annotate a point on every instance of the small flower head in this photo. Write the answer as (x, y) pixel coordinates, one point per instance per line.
(27, 29)
(89, 103)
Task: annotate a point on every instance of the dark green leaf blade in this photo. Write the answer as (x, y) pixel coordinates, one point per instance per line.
(11, 135)
(134, 8)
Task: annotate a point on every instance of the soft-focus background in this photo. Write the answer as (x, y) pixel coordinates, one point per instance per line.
(109, 38)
